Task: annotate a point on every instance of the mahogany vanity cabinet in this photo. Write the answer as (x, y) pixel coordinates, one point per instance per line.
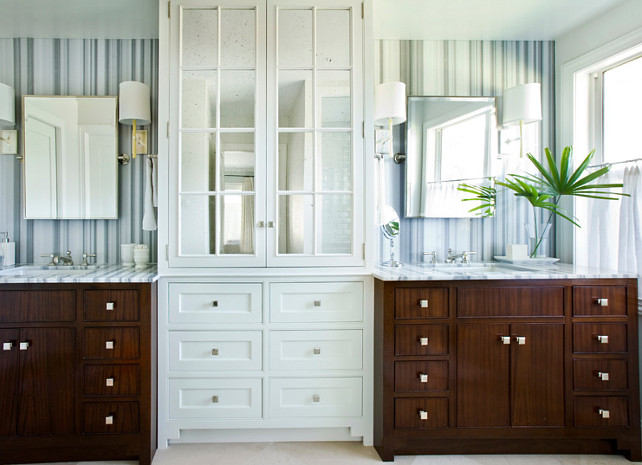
(506, 366)
(77, 372)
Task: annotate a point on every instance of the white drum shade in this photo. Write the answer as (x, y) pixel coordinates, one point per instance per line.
(390, 103)
(134, 103)
(7, 105)
(522, 103)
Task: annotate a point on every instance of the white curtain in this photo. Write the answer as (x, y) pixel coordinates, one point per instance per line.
(444, 200)
(630, 234)
(247, 217)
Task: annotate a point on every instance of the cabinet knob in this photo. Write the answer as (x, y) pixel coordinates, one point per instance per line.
(423, 341)
(109, 382)
(423, 303)
(317, 303)
(214, 351)
(316, 398)
(110, 305)
(423, 415)
(270, 224)
(602, 339)
(215, 399)
(7, 345)
(520, 340)
(604, 413)
(109, 420)
(109, 345)
(603, 375)
(24, 345)
(423, 378)
(214, 303)
(603, 302)
(505, 340)
(260, 224)
(317, 351)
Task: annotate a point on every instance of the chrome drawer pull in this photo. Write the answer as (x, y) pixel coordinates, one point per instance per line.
(317, 351)
(604, 413)
(109, 382)
(7, 345)
(423, 378)
(215, 399)
(317, 303)
(109, 345)
(423, 341)
(505, 340)
(603, 302)
(520, 340)
(110, 306)
(215, 303)
(24, 345)
(603, 375)
(603, 339)
(316, 398)
(214, 351)
(423, 415)
(423, 303)
(109, 420)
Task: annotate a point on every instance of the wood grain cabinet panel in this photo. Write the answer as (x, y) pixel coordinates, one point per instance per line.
(599, 301)
(601, 411)
(423, 376)
(600, 374)
(477, 302)
(421, 413)
(590, 338)
(8, 381)
(111, 343)
(111, 380)
(37, 306)
(421, 303)
(110, 417)
(421, 339)
(111, 305)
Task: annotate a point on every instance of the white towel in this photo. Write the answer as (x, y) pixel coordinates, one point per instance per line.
(149, 219)
(154, 181)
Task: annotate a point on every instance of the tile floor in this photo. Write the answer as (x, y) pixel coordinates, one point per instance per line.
(341, 453)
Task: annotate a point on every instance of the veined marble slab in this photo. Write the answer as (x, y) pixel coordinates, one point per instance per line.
(99, 274)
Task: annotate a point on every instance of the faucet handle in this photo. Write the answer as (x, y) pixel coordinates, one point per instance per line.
(464, 256)
(51, 256)
(84, 258)
(433, 261)
(69, 261)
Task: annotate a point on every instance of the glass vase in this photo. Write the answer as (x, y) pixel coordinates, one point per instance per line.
(538, 239)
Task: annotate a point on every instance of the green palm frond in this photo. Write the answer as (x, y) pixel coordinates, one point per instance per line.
(485, 195)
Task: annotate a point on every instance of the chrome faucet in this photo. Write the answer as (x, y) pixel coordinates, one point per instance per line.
(433, 261)
(57, 260)
(464, 256)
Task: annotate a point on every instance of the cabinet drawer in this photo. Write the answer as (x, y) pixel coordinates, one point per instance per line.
(315, 397)
(111, 380)
(600, 374)
(215, 398)
(421, 413)
(110, 417)
(590, 411)
(111, 343)
(37, 306)
(421, 376)
(421, 303)
(510, 301)
(411, 339)
(111, 305)
(589, 338)
(215, 350)
(316, 350)
(316, 302)
(215, 303)
(599, 300)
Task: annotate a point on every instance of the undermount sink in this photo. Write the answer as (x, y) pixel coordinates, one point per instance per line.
(44, 271)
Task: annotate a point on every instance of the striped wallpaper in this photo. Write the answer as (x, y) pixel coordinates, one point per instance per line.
(77, 67)
(464, 68)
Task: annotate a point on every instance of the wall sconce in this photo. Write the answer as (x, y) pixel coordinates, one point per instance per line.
(390, 109)
(522, 104)
(133, 110)
(8, 137)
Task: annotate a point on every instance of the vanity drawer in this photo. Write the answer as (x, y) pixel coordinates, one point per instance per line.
(600, 374)
(421, 413)
(316, 302)
(424, 376)
(215, 398)
(421, 339)
(37, 306)
(215, 303)
(111, 343)
(421, 303)
(316, 350)
(599, 300)
(315, 397)
(111, 305)
(590, 411)
(589, 338)
(111, 380)
(535, 301)
(215, 350)
(110, 417)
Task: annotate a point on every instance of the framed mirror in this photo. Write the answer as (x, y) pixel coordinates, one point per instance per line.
(70, 157)
(449, 140)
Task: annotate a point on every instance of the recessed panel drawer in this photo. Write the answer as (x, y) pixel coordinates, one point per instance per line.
(316, 302)
(111, 343)
(424, 376)
(316, 350)
(315, 397)
(421, 413)
(215, 303)
(601, 411)
(599, 300)
(600, 338)
(421, 303)
(215, 398)
(600, 374)
(37, 306)
(111, 380)
(421, 339)
(111, 305)
(473, 302)
(215, 350)
(110, 417)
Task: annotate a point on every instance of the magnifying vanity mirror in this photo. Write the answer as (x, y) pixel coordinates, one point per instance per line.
(70, 157)
(449, 140)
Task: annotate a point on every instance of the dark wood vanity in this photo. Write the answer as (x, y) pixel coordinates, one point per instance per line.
(506, 366)
(77, 372)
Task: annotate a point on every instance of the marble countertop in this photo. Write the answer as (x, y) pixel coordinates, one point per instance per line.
(92, 274)
(481, 271)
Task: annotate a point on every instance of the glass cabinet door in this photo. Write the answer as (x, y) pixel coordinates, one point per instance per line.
(315, 151)
(218, 159)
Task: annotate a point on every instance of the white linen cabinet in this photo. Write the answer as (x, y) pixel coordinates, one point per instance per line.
(263, 291)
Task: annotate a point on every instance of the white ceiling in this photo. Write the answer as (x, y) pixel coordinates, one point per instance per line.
(393, 19)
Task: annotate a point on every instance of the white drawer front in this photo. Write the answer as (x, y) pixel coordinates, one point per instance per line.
(215, 303)
(316, 397)
(316, 350)
(215, 398)
(316, 302)
(215, 350)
